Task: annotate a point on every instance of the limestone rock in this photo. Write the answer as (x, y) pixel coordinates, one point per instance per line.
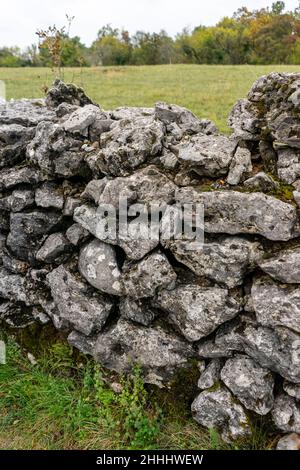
(207, 155)
(211, 375)
(12, 286)
(275, 304)
(81, 119)
(252, 384)
(225, 259)
(293, 390)
(158, 353)
(129, 144)
(78, 307)
(19, 175)
(218, 410)
(61, 92)
(56, 248)
(197, 311)
(27, 230)
(283, 266)
(286, 414)
(289, 442)
(261, 182)
(76, 234)
(98, 265)
(138, 311)
(49, 195)
(234, 212)
(240, 167)
(146, 277)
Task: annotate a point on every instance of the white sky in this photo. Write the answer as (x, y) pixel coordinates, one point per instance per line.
(19, 19)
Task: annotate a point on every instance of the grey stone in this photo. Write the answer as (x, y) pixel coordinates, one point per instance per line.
(286, 413)
(98, 265)
(27, 113)
(129, 144)
(159, 354)
(138, 311)
(18, 200)
(12, 286)
(207, 155)
(219, 410)
(146, 277)
(252, 384)
(234, 212)
(19, 175)
(261, 182)
(288, 164)
(197, 311)
(61, 92)
(283, 266)
(80, 120)
(56, 248)
(211, 375)
(296, 196)
(289, 442)
(16, 315)
(292, 389)
(76, 234)
(240, 167)
(276, 304)
(83, 343)
(70, 205)
(49, 195)
(226, 259)
(79, 308)
(268, 155)
(27, 230)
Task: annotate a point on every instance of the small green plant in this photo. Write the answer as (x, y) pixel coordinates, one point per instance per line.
(130, 415)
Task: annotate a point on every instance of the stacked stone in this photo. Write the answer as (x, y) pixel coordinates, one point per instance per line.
(233, 305)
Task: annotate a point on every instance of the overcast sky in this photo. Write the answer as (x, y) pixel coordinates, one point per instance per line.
(19, 19)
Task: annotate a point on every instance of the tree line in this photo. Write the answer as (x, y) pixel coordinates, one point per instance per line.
(269, 35)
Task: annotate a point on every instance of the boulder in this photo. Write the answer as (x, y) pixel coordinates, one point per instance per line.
(286, 413)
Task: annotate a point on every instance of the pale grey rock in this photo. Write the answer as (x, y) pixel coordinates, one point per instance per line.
(289, 442)
(292, 389)
(288, 164)
(226, 259)
(27, 113)
(145, 186)
(159, 354)
(13, 133)
(49, 195)
(146, 277)
(137, 311)
(187, 122)
(197, 311)
(81, 119)
(240, 167)
(218, 410)
(129, 144)
(19, 175)
(211, 375)
(132, 112)
(268, 156)
(283, 266)
(56, 248)
(83, 343)
(76, 234)
(70, 205)
(261, 182)
(207, 155)
(94, 189)
(286, 413)
(64, 109)
(296, 196)
(98, 265)
(41, 149)
(244, 123)
(208, 349)
(18, 200)
(276, 304)
(252, 384)
(234, 212)
(12, 286)
(88, 217)
(12, 264)
(78, 307)
(169, 160)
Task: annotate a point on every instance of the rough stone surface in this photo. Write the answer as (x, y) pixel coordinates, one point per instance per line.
(158, 353)
(286, 414)
(289, 442)
(252, 384)
(218, 410)
(197, 311)
(228, 306)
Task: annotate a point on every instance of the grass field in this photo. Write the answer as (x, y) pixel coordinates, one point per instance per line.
(209, 91)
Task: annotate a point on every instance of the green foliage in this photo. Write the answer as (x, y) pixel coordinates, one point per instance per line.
(264, 36)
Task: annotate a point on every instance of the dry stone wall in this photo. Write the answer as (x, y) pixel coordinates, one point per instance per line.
(233, 305)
